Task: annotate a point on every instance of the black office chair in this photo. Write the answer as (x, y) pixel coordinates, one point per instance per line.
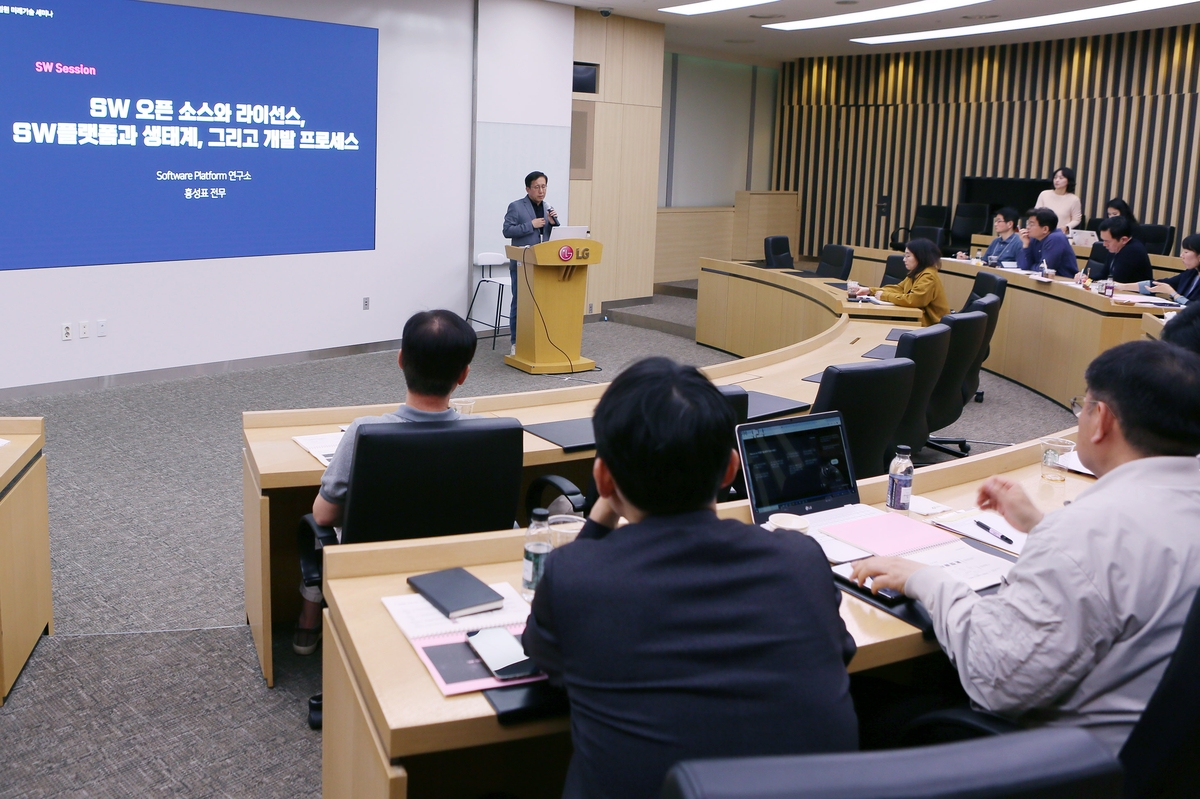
(937, 216)
(894, 270)
(872, 398)
(1052, 763)
(1097, 263)
(739, 400)
(1093, 224)
(1159, 756)
(1157, 238)
(778, 253)
(987, 283)
(926, 348)
(946, 403)
(990, 304)
(834, 262)
(418, 480)
(969, 219)
(935, 234)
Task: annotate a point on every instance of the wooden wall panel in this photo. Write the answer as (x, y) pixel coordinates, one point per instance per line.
(684, 236)
(642, 74)
(1120, 109)
(758, 214)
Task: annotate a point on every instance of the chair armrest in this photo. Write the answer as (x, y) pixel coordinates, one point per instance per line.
(954, 724)
(533, 495)
(308, 533)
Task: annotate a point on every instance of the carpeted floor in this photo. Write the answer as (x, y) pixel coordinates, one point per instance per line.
(150, 684)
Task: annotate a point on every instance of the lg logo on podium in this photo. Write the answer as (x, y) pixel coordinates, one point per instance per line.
(566, 253)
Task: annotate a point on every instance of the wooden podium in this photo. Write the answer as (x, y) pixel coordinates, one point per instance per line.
(551, 291)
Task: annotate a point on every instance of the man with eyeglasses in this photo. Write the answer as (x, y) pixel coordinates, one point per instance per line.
(1083, 628)
(527, 222)
(1004, 247)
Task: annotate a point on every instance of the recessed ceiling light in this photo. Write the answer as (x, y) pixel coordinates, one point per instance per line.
(739, 41)
(874, 15)
(713, 6)
(1063, 18)
(981, 16)
(766, 16)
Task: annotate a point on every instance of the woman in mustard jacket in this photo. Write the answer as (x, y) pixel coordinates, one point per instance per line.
(922, 288)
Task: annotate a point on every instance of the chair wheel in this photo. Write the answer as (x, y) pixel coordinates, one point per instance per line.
(964, 448)
(315, 707)
(979, 396)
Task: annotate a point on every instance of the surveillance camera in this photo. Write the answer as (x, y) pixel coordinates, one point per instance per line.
(605, 12)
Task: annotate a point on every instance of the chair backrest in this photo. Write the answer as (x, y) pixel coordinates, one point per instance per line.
(778, 252)
(1093, 224)
(1160, 754)
(969, 219)
(931, 216)
(1157, 238)
(422, 479)
(990, 304)
(738, 399)
(1098, 260)
(935, 234)
(491, 259)
(872, 398)
(835, 261)
(966, 337)
(1050, 763)
(893, 270)
(987, 283)
(926, 347)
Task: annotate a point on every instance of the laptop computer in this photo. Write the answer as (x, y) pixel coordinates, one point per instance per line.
(569, 232)
(802, 466)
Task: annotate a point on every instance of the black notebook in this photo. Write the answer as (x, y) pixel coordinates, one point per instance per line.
(456, 592)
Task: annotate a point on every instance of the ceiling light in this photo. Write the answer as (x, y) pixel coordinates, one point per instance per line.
(713, 6)
(874, 15)
(1064, 18)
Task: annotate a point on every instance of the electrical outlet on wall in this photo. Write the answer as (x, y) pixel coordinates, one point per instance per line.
(101, 328)
(84, 330)
(366, 303)
(590, 307)
(66, 331)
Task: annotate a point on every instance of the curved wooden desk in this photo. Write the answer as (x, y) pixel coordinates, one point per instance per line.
(383, 713)
(26, 608)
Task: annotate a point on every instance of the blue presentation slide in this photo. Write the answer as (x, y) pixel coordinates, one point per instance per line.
(134, 131)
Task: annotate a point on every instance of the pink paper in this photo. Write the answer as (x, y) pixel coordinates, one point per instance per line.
(467, 686)
(891, 534)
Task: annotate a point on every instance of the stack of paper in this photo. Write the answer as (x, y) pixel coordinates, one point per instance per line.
(320, 446)
(967, 526)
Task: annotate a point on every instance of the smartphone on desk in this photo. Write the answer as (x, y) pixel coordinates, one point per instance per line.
(502, 653)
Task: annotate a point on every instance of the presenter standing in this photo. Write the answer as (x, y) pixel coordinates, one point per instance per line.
(528, 221)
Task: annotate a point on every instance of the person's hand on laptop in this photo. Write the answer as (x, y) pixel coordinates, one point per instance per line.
(890, 573)
(1007, 498)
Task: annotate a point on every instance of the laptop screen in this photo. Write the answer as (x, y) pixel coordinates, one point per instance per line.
(798, 465)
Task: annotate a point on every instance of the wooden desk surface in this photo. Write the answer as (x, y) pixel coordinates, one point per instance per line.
(279, 462)
(410, 713)
(26, 437)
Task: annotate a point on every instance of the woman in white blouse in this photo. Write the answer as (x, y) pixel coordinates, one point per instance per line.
(1062, 200)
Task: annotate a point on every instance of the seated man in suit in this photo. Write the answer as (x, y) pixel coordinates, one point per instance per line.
(1128, 260)
(682, 635)
(1082, 631)
(1042, 241)
(435, 356)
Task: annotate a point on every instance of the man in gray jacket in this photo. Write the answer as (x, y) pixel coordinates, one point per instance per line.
(1083, 628)
(528, 221)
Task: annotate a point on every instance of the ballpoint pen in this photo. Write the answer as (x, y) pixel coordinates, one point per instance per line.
(1003, 538)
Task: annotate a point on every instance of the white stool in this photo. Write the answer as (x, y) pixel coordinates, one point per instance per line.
(487, 260)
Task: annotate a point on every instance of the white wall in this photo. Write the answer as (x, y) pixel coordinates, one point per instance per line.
(523, 102)
(191, 312)
(713, 129)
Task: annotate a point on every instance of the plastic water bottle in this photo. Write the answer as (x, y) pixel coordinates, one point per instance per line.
(537, 547)
(900, 477)
(1109, 287)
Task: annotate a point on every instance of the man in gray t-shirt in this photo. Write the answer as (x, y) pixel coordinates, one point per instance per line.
(437, 348)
